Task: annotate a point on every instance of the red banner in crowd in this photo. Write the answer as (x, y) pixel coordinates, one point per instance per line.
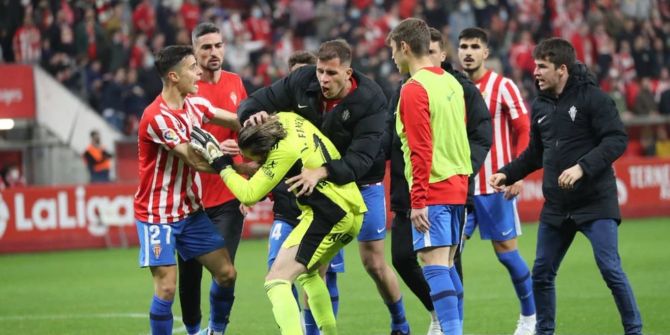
(17, 92)
(72, 217)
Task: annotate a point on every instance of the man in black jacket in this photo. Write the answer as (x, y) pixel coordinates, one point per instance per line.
(576, 135)
(479, 137)
(349, 109)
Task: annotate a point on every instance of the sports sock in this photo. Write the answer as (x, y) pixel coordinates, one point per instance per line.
(160, 316)
(443, 294)
(284, 306)
(458, 287)
(319, 302)
(523, 285)
(311, 328)
(221, 302)
(398, 320)
(331, 283)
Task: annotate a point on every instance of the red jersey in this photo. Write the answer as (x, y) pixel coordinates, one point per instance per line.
(169, 189)
(511, 126)
(225, 94)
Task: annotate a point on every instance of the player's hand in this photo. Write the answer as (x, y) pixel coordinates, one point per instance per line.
(306, 181)
(256, 119)
(513, 190)
(207, 146)
(497, 181)
(244, 209)
(419, 217)
(570, 176)
(229, 147)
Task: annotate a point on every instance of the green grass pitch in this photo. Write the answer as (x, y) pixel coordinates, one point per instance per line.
(104, 292)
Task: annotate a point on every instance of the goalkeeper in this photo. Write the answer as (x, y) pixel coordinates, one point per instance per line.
(331, 215)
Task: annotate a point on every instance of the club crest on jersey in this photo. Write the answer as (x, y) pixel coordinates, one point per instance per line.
(233, 98)
(573, 113)
(345, 115)
(157, 251)
(170, 135)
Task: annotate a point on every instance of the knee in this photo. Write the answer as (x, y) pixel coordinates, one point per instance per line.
(611, 271)
(226, 277)
(542, 275)
(166, 291)
(374, 265)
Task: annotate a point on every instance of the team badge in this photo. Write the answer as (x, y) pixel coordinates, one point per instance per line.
(573, 113)
(157, 251)
(233, 98)
(345, 115)
(170, 135)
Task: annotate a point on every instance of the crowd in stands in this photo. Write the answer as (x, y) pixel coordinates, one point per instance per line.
(103, 49)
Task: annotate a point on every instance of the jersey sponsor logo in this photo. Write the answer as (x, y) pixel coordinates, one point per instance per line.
(336, 265)
(302, 106)
(170, 135)
(573, 113)
(416, 241)
(381, 230)
(505, 233)
(268, 169)
(342, 237)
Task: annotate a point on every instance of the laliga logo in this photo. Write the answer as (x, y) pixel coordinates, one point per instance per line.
(8, 96)
(4, 216)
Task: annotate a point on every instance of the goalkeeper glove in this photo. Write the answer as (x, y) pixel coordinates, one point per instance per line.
(207, 146)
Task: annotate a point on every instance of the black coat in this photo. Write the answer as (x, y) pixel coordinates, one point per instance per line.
(355, 125)
(480, 135)
(580, 126)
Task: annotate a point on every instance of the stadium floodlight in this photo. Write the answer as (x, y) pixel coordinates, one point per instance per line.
(6, 124)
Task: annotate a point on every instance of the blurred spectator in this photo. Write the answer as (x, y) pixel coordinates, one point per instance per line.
(111, 100)
(90, 38)
(97, 159)
(644, 103)
(190, 13)
(27, 48)
(10, 176)
(662, 141)
(144, 18)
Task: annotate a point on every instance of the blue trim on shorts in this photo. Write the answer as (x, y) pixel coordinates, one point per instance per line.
(374, 221)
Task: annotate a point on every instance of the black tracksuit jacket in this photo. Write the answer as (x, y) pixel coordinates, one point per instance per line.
(355, 125)
(580, 126)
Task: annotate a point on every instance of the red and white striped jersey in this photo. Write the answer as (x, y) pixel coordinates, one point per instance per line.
(169, 189)
(510, 122)
(26, 43)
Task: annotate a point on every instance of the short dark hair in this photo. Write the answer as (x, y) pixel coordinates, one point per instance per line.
(414, 32)
(474, 32)
(204, 28)
(436, 36)
(332, 49)
(301, 57)
(556, 51)
(170, 56)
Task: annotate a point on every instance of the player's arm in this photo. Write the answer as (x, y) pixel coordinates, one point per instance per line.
(225, 118)
(513, 104)
(192, 158)
(415, 114)
(609, 132)
(271, 173)
(529, 160)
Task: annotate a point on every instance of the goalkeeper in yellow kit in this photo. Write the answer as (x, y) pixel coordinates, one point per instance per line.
(331, 215)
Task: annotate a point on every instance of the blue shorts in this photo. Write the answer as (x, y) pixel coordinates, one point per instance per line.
(191, 237)
(496, 217)
(374, 222)
(278, 234)
(444, 231)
